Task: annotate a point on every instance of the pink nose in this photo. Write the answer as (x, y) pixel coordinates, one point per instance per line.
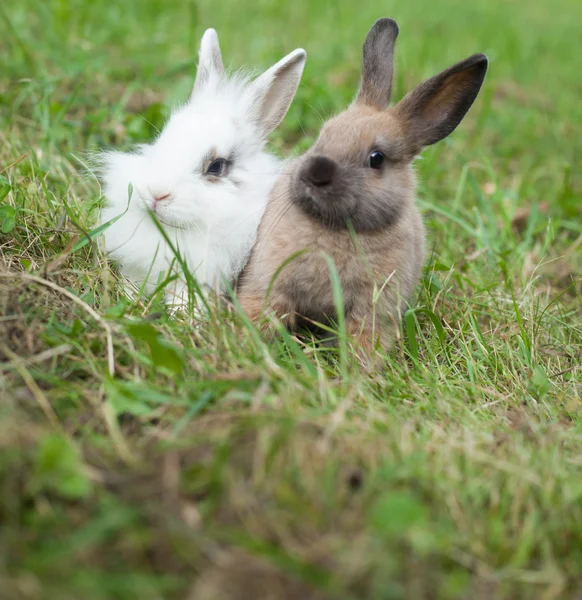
(161, 197)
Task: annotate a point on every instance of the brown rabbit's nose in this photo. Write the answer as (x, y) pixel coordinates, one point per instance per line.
(320, 171)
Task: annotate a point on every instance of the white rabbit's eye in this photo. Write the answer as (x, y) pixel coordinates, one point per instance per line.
(376, 159)
(217, 167)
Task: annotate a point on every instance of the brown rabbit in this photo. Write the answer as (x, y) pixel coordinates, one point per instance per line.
(352, 197)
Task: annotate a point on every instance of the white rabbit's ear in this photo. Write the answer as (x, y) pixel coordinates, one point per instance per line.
(273, 91)
(209, 61)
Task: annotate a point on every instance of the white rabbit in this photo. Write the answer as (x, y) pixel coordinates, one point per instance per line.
(206, 178)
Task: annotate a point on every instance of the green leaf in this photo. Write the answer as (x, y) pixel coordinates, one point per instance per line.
(5, 187)
(126, 397)
(540, 385)
(162, 352)
(99, 230)
(72, 329)
(8, 216)
(397, 513)
(94, 233)
(116, 311)
(8, 223)
(59, 468)
(439, 266)
(435, 283)
(123, 401)
(435, 321)
(410, 323)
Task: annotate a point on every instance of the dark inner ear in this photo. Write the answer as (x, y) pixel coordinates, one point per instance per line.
(433, 110)
(378, 64)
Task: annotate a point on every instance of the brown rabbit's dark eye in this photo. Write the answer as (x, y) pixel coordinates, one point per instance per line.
(217, 167)
(376, 160)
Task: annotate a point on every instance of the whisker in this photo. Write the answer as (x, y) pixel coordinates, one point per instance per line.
(150, 123)
(286, 208)
(317, 113)
(245, 219)
(277, 174)
(278, 197)
(129, 239)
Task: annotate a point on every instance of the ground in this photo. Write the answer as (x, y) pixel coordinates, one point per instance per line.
(212, 466)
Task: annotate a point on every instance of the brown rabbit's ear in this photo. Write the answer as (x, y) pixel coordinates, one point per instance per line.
(209, 61)
(378, 67)
(434, 109)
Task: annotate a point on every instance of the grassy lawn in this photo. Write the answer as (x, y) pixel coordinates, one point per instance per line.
(211, 466)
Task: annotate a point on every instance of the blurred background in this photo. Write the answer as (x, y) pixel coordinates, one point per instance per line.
(77, 75)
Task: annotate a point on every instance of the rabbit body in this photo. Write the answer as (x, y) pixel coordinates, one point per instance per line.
(365, 265)
(351, 197)
(205, 180)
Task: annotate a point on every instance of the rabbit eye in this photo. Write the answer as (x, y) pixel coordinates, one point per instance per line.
(376, 159)
(217, 167)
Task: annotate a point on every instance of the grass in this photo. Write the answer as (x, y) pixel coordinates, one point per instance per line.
(211, 466)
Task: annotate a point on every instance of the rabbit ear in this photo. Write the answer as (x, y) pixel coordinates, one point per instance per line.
(378, 66)
(434, 109)
(209, 61)
(273, 91)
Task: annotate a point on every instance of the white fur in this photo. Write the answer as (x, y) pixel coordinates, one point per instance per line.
(211, 221)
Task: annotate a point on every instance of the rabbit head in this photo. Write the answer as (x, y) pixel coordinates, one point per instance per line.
(357, 170)
(192, 174)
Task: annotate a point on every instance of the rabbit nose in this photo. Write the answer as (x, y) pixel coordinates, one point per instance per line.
(320, 171)
(160, 197)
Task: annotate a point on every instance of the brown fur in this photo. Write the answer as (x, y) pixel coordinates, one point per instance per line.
(331, 201)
